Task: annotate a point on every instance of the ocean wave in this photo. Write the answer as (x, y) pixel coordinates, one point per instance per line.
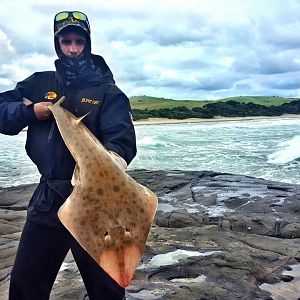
(288, 151)
(241, 147)
(254, 123)
(148, 140)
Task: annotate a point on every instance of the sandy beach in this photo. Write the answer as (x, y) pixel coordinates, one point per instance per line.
(158, 121)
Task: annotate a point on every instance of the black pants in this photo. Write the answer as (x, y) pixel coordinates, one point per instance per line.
(41, 252)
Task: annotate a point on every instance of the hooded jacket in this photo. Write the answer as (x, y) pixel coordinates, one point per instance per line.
(109, 119)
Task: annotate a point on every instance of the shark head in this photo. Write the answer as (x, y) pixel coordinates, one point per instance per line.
(118, 258)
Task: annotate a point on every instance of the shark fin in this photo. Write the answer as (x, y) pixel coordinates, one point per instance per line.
(27, 102)
(76, 176)
(78, 120)
(118, 160)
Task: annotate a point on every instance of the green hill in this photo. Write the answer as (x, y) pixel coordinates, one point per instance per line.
(153, 103)
(147, 102)
(145, 107)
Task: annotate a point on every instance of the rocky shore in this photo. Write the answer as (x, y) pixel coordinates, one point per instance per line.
(216, 236)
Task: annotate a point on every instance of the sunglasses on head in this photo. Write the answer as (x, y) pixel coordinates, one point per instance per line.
(75, 14)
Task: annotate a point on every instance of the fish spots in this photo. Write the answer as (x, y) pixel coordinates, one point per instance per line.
(108, 210)
(100, 192)
(81, 233)
(86, 239)
(116, 189)
(95, 229)
(95, 217)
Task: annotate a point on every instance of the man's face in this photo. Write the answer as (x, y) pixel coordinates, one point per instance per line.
(71, 44)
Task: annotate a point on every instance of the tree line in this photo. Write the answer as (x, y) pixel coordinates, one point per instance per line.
(226, 109)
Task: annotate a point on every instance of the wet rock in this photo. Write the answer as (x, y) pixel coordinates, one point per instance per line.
(225, 235)
(291, 231)
(179, 218)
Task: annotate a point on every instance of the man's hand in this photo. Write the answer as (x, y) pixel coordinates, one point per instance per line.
(41, 110)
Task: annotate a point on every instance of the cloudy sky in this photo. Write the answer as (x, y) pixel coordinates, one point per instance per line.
(179, 49)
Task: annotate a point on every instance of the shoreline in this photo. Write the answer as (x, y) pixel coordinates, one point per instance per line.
(29, 185)
(161, 121)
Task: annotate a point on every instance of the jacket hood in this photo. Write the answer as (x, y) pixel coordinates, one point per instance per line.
(98, 73)
(102, 69)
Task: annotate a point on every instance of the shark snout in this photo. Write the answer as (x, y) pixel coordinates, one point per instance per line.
(121, 255)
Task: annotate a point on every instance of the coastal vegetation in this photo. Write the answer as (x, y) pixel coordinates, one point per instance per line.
(144, 107)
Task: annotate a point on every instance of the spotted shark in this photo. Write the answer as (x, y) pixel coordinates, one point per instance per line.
(108, 212)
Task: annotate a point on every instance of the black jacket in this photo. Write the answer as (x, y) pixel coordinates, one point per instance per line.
(109, 119)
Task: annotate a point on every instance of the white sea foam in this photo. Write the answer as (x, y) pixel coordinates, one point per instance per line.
(173, 257)
(148, 140)
(280, 290)
(288, 151)
(165, 207)
(199, 279)
(216, 210)
(241, 147)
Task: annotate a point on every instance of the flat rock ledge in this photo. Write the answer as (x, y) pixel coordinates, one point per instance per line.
(215, 236)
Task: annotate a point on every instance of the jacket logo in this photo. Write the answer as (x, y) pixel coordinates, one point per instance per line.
(50, 95)
(90, 101)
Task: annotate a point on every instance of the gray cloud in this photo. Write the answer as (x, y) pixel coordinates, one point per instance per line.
(268, 63)
(282, 82)
(173, 49)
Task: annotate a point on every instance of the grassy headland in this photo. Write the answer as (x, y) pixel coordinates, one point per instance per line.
(145, 107)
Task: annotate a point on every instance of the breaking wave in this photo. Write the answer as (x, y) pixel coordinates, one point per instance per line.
(288, 151)
(260, 148)
(148, 140)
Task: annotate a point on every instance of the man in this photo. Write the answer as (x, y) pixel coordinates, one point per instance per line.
(88, 85)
